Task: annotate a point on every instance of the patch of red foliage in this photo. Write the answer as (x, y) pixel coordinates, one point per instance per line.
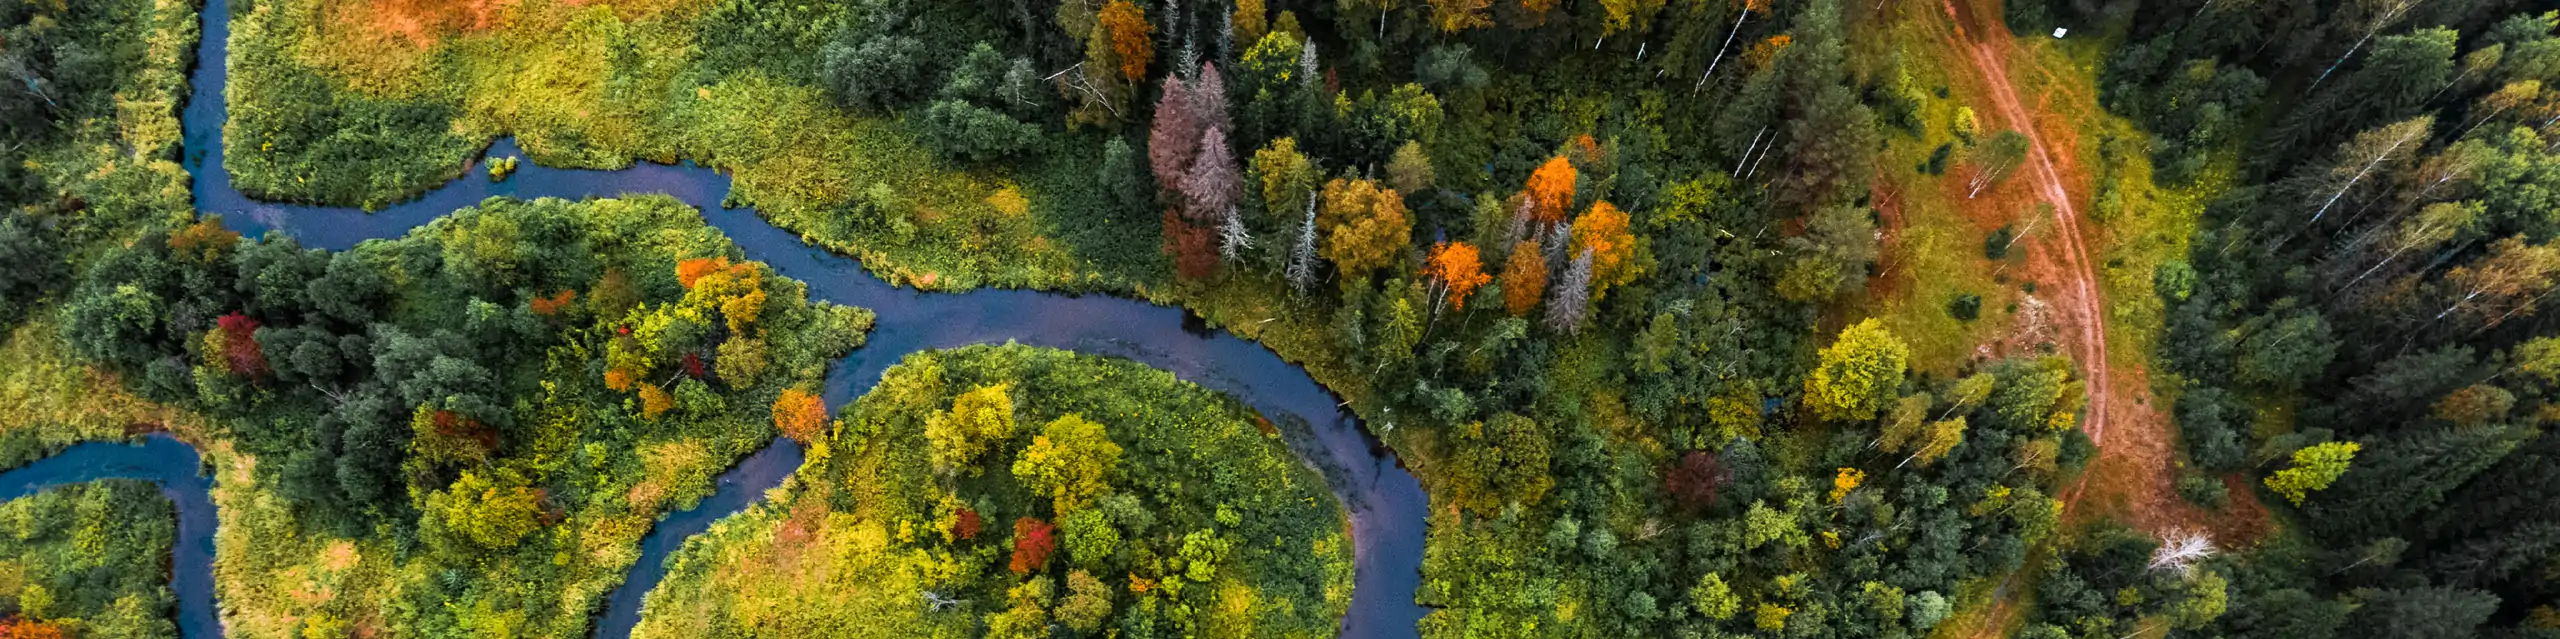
(239, 341)
(1194, 248)
(967, 524)
(1033, 540)
(1695, 480)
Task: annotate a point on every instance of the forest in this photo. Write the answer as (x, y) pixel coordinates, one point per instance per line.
(2052, 319)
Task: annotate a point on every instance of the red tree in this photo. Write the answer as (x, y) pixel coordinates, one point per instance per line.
(1032, 541)
(1194, 247)
(967, 524)
(1694, 481)
(238, 337)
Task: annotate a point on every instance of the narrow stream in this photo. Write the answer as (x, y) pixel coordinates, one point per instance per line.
(1386, 504)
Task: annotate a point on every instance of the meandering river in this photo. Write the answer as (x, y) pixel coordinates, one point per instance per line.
(1386, 505)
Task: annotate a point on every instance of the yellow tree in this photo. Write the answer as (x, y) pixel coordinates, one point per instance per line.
(1130, 37)
(1603, 231)
(1858, 374)
(977, 419)
(1453, 16)
(1070, 462)
(1458, 270)
(1365, 225)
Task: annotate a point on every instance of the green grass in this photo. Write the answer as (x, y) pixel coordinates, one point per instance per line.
(49, 401)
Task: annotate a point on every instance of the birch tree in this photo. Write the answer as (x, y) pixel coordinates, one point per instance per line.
(2358, 158)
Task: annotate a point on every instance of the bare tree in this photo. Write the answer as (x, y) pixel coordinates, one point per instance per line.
(1233, 239)
(2181, 549)
(1571, 296)
(1302, 260)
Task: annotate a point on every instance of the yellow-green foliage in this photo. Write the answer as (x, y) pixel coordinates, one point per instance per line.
(2314, 468)
(1221, 532)
(1858, 374)
(90, 559)
(602, 87)
(48, 401)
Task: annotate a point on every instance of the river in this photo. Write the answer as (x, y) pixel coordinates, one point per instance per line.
(1386, 504)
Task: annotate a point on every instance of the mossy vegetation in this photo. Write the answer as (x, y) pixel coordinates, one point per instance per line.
(1017, 489)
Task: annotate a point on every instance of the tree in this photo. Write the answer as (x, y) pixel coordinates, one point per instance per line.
(1088, 600)
(1524, 278)
(34, 265)
(1858, 374)
(1287, 177)
(1551, 190)
(1033, 540)
(1026, 615)
(1090, 537)
(1696, 479)
(2421, 613)
(1943, 437)
(1366, 225)
(1571, 299)
(233, 343)
(977, 419)
(1602, 232)
(1838, 244)
(1302, 258)
(2287, 351)
(1457, 270)
(1174, 137)
(1713, 599)
(1070, 462)
(800, 415)
(1131, 38)
(1499, 462)
(2313, 469)
(1410, 169)
(2510, 281)
(1452, 16)
(1250, 21)
(492, 511)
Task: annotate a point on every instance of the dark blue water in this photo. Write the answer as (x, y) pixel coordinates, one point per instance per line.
(1386, 504)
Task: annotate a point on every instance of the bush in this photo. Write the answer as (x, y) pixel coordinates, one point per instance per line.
(1966, 307)
(967, 132)
(2203, 490)
(1996, 247)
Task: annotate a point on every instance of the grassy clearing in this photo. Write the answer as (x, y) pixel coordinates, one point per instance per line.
(330, 106)
(1936, 254)
(49, 401)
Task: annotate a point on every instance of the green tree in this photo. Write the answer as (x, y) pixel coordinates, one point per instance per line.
(1713, 599)
(1858, 374)
(2313, 469)
(492, 510)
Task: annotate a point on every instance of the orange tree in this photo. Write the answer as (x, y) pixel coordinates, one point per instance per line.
(1459, 270)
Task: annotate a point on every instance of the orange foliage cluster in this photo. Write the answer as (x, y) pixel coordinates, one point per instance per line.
(1603, 231)
(20, 628)
(1033, 540)
(618, 379)
(655, 401)
(966, 524)
(800, 415)
(1457, 266)
(1551, 188)
(1524, 278)
(554, 304)
(203, 241)
(1761, 52)
(691, 271)
(1129, 37)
